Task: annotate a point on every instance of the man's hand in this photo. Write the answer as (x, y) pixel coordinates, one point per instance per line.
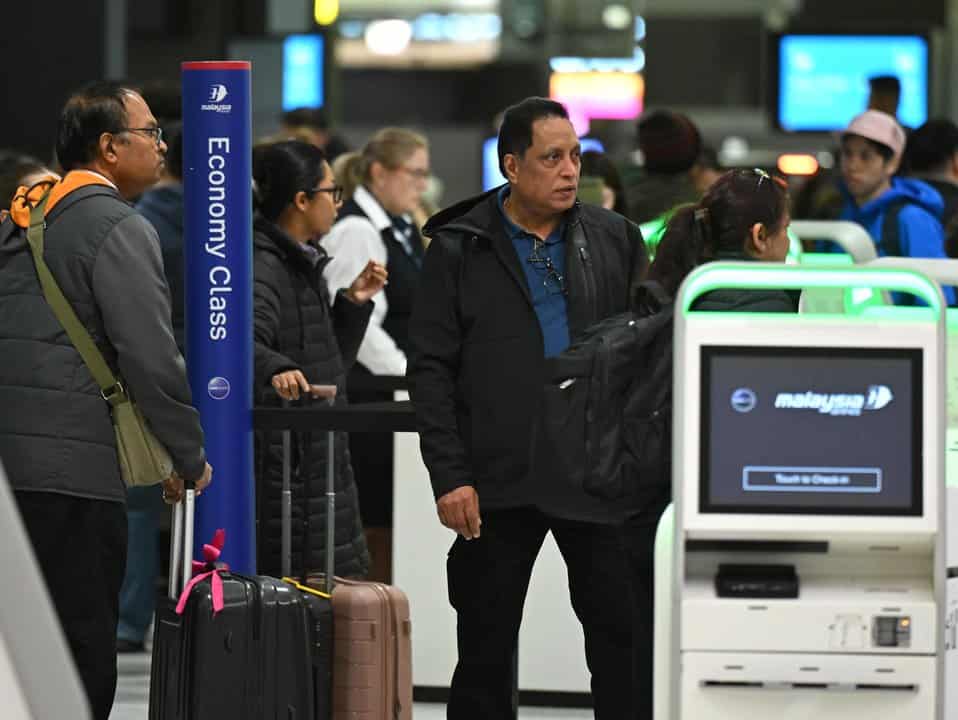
(173, 486)
(369, 282)
(173, 489)
(204, 480)
(290, 384)
(459, 511)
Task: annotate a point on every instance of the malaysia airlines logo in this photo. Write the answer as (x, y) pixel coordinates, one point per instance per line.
(218, 93)
(877, 397)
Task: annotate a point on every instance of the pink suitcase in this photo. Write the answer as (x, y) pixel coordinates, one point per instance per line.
(372, 636)
(372, 652)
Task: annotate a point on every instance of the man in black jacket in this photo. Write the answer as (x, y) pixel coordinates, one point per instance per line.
(509, 279)
(57, 441)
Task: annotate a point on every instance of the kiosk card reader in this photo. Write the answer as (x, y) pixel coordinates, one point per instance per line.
(807, 574)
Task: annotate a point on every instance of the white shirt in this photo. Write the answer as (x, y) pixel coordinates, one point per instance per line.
(104, 178)
(352, 243)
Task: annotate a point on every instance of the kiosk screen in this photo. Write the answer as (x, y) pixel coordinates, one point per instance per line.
(811, 431)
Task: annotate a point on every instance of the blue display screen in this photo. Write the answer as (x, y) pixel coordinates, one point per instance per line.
(303, 72)
(491, 177)
(823, 79)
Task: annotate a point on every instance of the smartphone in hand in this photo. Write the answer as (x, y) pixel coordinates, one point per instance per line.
(323, 392)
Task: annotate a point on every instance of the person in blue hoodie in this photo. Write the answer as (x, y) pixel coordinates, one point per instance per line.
(871, 150)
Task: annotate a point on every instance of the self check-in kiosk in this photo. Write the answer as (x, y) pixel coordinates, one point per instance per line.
(805, 574)
(943, 272)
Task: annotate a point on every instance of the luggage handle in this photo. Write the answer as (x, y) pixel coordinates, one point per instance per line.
(319, 392)
(181, 542)
(330, 507)
(286, 503)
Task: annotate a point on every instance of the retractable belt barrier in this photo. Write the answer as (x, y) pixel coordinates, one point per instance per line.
(396, 416)
(377, 383)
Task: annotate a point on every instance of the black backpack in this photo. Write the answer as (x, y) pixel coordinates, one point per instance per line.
(606, 421)
(890, 241)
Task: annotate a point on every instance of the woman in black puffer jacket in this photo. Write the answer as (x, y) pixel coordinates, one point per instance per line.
(743, 216)
(302, 340)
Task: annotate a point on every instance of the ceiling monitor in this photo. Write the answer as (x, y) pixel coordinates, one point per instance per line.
(303, 84)
(820, 80)
(288, 73)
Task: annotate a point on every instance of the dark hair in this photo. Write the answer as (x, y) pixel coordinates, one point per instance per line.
(12, 174)
(597, 164)
(173, 137)
(931, 147)
(305, 117)
(165, 100)
(515, 133)
(886, 84)
(96, 109)
(708, 158)
(283, 169)
(718, 225)
(881, 148)
(11, 158)
(670, 142)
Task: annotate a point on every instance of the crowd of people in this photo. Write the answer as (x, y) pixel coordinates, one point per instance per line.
(356, 275)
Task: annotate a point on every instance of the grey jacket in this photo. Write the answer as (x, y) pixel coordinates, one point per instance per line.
(55, 429)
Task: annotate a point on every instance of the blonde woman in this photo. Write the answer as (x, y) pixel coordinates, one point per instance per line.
(347, 168)
(389, 176)
(392, 171)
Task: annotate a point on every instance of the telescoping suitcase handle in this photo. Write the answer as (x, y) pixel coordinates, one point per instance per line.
(181, 542)
(327, 393)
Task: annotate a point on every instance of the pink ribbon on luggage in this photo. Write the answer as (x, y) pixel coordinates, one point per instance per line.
(208, 569)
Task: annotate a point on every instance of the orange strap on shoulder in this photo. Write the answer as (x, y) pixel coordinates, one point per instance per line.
(25, 198)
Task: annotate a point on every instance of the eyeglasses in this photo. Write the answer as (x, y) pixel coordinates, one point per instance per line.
(553, 281)
(336, 191)
(155, 132)
(417, 173)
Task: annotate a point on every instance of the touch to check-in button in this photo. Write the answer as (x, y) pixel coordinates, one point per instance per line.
(768, 478)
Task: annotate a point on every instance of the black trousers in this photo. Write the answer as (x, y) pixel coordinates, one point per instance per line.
(639, 539)
(80, 545)
(488, 580)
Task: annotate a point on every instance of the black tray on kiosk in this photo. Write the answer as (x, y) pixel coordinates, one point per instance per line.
(756, 581)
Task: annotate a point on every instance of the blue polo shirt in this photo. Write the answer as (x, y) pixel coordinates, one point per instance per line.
(548, 298)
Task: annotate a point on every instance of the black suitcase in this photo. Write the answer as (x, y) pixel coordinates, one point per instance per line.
(249, 660)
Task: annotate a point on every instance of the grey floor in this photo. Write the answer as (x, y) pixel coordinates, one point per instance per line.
(132, 697)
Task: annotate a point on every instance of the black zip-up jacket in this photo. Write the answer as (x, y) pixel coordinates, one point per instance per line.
(294, 328)
(477, 364)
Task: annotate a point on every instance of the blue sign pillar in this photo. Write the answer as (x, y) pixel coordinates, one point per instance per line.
(217, 170)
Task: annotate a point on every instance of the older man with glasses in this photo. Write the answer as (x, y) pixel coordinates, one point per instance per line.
(56, 438)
